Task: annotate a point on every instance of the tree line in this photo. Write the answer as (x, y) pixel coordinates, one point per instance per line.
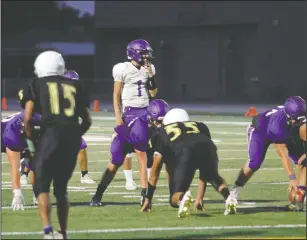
(20, 17)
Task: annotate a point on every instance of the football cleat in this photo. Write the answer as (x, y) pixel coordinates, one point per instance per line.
(58, 235)
(290, 207)
(231, 205)
(234, 192)
(185, 205)
(86, 179)
(49, 236)
(95, 203)
(23, 179)
(131, 186)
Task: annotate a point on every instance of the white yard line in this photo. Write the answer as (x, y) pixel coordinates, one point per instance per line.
(159, 229)
(7, 186)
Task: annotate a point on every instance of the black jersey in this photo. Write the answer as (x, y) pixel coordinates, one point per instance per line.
(58, 99)
(172, 137)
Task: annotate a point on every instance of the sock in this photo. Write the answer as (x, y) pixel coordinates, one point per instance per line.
(128, 175)
(225, 193)
(84, 173)
(99, 192)
(48, 230)
(148, 172)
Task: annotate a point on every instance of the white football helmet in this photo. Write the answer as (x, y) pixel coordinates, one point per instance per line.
(176, 115)
(49, 63)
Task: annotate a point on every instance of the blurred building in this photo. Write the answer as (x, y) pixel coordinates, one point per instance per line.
(215, 50)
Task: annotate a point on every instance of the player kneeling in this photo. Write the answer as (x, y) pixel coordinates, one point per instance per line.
(185, 146)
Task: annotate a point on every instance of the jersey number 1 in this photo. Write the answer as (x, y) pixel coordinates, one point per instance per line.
(139, 88)
(176, 131)
(69, 94)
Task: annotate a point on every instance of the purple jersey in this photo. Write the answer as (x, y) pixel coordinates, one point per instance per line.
(273, 124)
(11, 128)
(130, 137)
(268, 127)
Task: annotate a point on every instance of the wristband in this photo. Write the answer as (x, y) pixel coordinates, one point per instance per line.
(292, 177)
(152, 83)
(150, 191)
(30, 145)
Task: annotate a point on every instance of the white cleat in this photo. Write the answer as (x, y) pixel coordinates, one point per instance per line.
(58, 235)
(18, 200)
(23, 179)
(131, 186)
(86, 179)
(49, 236)
(185, 205)
(231, 205)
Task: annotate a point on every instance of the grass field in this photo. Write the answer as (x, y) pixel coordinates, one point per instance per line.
(260, 213)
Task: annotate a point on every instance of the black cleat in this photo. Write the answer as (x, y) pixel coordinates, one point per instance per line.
(95, 203)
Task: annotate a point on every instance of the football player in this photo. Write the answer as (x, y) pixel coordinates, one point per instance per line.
(271, 127)
(82, 155)
(132, 82)
(297, 152)
(13, 143)
(61, 102)
(185, 146)
(127, 138)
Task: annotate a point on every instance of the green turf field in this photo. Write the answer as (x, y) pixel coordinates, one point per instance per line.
(259, 211)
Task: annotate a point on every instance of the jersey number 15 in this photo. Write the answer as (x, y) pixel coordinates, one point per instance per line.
(69, 92)
(191, 127)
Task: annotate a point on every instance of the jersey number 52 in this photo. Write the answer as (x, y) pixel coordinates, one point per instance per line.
(69, 92)
(191, 127)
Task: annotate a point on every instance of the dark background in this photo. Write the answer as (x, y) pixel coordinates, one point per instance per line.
(215, 51)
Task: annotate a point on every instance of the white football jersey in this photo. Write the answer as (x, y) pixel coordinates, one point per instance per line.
(134, 92)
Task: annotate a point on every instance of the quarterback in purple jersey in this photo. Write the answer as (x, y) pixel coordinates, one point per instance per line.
(13, 143)
(271, 127)
(127, 138)
(134, 85)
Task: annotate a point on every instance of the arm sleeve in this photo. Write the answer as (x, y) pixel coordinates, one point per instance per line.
(117, 71)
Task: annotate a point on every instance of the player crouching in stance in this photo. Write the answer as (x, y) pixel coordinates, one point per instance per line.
(13, 143)
(61, 102)
(185, 146)
(297, 152)
(273, 126)
(127, 138)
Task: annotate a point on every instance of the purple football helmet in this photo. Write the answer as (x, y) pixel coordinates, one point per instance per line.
(71, 75)
(157, 109)
(295, 108)
(139, 50)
